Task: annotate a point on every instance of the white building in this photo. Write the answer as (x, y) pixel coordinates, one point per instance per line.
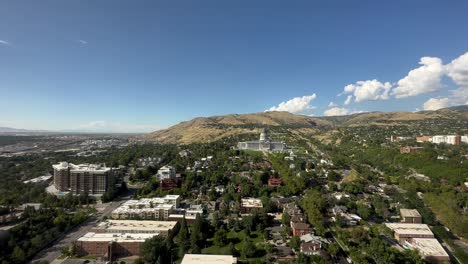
(446, 139)
(208, 259)
(263, 144)
(166, 172)
(464, 139)
(248, 204)
(429, 248)
(147, 208)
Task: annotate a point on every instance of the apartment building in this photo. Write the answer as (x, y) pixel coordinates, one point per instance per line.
(93, 179)
(159, 208)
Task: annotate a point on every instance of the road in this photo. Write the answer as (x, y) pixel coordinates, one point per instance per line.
(54, 251)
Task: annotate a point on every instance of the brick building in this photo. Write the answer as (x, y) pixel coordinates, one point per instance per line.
(300, 229)
(120, 238)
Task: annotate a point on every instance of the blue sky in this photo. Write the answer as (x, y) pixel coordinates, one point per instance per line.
(138, 66)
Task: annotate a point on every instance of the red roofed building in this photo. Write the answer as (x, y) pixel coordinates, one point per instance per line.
(170, 184)
(274, 182)
(300, 229)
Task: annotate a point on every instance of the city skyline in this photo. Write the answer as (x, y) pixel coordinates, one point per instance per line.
(120, 66)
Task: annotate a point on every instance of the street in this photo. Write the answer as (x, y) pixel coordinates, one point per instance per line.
(54, 251)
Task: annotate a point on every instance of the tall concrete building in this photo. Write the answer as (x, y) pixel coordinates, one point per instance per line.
(92, 179)
(62, 176)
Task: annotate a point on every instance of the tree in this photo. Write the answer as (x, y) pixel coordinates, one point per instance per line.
(220, 238)
(249, 223)
(302, 259)
(18, 255)
(154, 250)
(216, 220)
(183, 237)
(333, 248)
(363, 211)
(285, 219)
(232, 250)
(295, 243)
(248, 248)
(198, 234)
(314, 204)
(333, 176)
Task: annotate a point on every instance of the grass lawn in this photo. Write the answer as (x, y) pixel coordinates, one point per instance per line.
(237, 238)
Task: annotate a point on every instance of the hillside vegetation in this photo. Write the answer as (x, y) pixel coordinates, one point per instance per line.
(208, 129)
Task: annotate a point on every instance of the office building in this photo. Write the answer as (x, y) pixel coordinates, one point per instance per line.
(115, 238)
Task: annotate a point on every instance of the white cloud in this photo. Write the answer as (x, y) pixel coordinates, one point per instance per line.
(105, 126)
(435, 104)
(348, 100)
(457, 97)
(4, 42)
(460, 95)
(332, 104)
(368, 90)
(336, 111)
(357, 112)
(295, 105)
(457, 70)
(84, 42)
(425, 79)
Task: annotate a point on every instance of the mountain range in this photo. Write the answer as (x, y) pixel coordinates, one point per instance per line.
(203, 129)
(8, 130)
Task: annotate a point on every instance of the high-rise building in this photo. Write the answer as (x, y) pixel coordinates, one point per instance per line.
(92, 179)
(62, 176)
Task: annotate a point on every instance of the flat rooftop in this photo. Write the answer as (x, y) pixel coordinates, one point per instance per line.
(410, 229)
(251, 202)
(134, 226)
(409, 213)
(86, 167)
(428, 247)
(208, 259)
(116, 237)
